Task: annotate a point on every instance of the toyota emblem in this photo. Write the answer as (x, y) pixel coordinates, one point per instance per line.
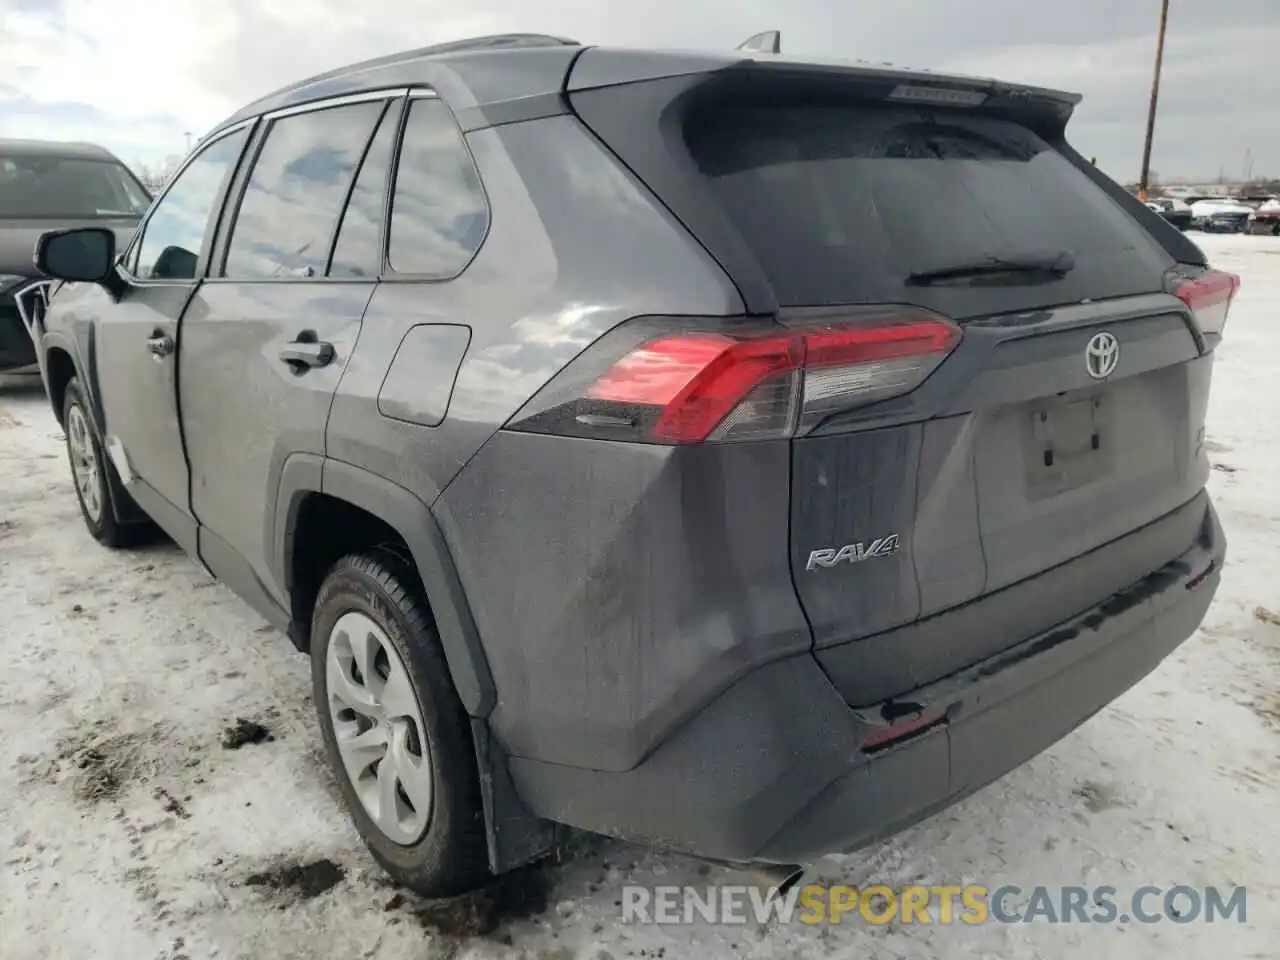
(1101, 355)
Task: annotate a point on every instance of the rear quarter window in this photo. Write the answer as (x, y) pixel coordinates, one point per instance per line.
(841, 203)
(439, 215)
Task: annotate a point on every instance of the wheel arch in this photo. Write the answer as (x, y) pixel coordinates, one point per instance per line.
(515, 835)
(60, 370)
(305, 477)
(59, 366)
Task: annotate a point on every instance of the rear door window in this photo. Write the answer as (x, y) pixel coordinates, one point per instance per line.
(297, 189)
(842, 203)
(357, 252)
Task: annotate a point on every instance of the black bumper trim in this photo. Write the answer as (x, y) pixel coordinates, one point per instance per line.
(873, 669)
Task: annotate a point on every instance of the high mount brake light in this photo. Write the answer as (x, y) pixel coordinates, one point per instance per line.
(1208, 294)
(693, 386)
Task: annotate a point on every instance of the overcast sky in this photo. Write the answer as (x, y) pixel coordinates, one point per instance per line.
(136, 75)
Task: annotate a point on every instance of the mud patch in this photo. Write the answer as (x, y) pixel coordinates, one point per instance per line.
(518, 895)
(1263, 615)
(1267, 709)
(1097, 796)
(102, 768)
(244, 732)
(101, 765)
(171, 804)
(299, 881)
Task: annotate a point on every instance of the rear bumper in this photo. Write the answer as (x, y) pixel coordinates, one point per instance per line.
(773, 769)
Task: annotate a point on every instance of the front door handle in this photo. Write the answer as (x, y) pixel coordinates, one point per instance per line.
(302, 354)
(160, 345)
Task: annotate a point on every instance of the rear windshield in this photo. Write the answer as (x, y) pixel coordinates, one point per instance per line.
(70, 187)
(842, 203)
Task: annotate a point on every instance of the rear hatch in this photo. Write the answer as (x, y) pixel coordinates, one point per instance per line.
(1047, 398)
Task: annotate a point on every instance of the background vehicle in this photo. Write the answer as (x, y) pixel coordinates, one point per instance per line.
(655, 467)
(49, 186)
(1173, 210)
(1266, 219)
(1220, 215)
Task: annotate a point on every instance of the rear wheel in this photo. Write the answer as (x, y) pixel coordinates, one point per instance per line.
(396, 734)
(97, 485)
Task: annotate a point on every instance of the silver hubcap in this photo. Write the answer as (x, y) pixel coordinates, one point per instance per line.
(84, 463)
(378, 726)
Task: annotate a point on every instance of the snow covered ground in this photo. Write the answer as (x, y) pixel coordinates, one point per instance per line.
(129, 829)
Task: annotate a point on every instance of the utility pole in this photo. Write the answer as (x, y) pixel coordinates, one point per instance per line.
(188, 136)
(1155, 96)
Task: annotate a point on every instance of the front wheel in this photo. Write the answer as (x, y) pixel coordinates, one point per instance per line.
(95, 479)
(396, 734)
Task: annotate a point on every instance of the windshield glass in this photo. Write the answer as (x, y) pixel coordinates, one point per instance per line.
(68, 187)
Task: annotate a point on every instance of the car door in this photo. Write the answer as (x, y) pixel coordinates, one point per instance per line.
(135, 342)
(268, 334)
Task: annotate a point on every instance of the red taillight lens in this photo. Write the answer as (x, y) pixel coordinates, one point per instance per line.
(691, 385)
(1208, 294)
(696, 380)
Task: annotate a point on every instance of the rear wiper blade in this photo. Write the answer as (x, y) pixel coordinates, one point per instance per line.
(1057, 262)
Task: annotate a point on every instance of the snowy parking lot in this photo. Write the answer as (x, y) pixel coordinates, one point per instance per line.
(163, 791)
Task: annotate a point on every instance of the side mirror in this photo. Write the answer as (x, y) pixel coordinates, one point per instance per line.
(83, 255)
(174, 263)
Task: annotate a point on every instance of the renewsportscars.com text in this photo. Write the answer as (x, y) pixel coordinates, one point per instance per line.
(972, 904)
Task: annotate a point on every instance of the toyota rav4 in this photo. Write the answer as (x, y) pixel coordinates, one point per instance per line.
(736, 453)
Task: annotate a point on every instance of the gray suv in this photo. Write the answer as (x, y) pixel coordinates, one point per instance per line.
(740, 454)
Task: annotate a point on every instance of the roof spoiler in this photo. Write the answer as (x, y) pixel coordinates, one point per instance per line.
(768, 42)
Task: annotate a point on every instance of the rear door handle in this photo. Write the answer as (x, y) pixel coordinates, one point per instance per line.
(160, 345)
(307, 353)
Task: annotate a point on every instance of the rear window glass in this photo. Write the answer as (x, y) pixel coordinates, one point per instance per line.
(841, 203)
(33, 185)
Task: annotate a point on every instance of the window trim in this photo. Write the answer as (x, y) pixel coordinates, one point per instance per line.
(235, 197)
(215, 214)
(389, 273)
(399, 106)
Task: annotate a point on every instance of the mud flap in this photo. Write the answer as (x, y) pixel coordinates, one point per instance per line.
(515, 836)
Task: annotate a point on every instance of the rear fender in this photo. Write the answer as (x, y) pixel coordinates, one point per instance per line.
(514, 835)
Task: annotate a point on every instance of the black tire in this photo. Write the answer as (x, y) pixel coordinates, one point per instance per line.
(451, 857)
(104, 527)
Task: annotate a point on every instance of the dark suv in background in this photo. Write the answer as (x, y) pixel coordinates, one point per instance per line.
(737, 453)
(46, 185)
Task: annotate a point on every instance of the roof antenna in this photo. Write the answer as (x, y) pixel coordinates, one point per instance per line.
(768, 42)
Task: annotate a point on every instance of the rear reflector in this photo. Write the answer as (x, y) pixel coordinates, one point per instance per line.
(881, 738)
(724, 383)
(1208, 294)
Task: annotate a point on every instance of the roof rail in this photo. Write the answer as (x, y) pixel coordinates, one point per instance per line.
(500, 41)
(497, 41)
(768, 42)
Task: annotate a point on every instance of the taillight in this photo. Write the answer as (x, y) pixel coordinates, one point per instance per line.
(679, 382)
(1208, 294)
